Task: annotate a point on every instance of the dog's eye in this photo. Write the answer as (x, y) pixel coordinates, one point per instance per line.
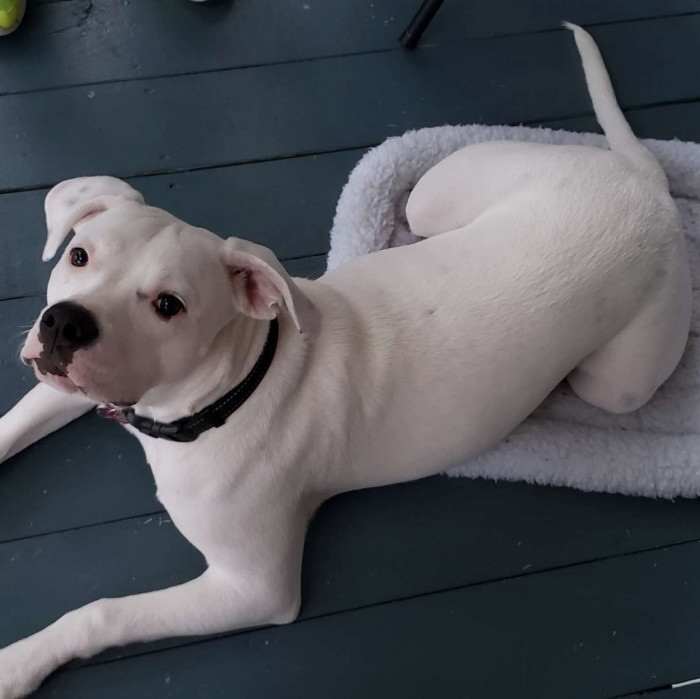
(168, 306)
(78, 257)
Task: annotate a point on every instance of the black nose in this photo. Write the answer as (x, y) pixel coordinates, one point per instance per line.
(68, 327)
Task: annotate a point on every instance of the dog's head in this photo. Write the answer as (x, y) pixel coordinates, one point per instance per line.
(138, 297)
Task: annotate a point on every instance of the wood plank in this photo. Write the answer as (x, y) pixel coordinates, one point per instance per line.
(681, 121)
(186, 122)
(458, 20)
(90, 471)
(16, 316)
(596, 630)
(307, 267)
(140, 554)
(364, 548)
(287, 205)
(689, 692)
(86, 41)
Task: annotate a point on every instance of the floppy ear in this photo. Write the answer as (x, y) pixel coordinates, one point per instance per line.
(261, 286)
(72, 201)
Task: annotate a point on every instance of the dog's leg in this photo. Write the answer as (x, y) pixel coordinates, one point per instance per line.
(623, 375)
(256, 583)
(464, 185)
(212, 603)
(42, 411)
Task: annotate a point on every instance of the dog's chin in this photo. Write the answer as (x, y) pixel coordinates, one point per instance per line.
(62, 382)
(102, 394)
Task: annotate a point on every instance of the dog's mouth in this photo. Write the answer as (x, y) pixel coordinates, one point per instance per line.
(54, 374)
(48, 365)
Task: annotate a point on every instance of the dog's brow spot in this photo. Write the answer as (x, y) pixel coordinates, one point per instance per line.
(71, 201)
(430, 311)
(84, 189)
(141, 296)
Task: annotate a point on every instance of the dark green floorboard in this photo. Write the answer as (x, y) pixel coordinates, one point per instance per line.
(107, 40)
(308, 267)
(185, 122)
(86, 41)
(587, 631)
(461, 20)
(681, 121)
(689, 692)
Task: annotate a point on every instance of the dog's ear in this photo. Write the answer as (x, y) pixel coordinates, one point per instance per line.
(71, 202)
(261, 286)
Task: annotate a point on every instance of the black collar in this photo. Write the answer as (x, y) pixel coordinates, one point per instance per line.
(187, 429)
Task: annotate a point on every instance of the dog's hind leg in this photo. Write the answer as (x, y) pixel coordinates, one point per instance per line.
(470, 181)
(442, 200)
(42, 411)
(624, 374)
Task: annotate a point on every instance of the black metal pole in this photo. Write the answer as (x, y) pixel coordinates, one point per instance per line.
(412, 34)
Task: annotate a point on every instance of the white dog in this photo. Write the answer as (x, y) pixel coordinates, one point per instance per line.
(256, 396)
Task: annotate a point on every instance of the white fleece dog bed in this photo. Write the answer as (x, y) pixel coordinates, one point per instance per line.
(654, 451)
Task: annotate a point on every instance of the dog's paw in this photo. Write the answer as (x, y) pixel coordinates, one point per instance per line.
(20, 673)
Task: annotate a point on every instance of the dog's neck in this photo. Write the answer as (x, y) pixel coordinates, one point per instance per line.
(228, 361)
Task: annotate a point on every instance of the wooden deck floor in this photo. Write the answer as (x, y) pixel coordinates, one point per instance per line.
(245, 117)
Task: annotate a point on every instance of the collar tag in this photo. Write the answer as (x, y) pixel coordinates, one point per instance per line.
(111, 412)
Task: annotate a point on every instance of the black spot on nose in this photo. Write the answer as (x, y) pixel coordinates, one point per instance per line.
(67, 327)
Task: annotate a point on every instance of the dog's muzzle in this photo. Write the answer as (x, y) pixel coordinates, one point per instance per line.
(64, 329)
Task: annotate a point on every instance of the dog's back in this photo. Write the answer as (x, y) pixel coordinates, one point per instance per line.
(540, 259)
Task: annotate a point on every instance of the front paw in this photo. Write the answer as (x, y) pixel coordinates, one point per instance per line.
(21, 671)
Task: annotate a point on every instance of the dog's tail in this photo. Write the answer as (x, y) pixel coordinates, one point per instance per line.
(618, 132)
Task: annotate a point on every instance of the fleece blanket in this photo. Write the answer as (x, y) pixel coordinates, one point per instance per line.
(653, 452)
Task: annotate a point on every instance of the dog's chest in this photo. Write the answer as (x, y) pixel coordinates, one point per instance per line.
(194, 494)
(186, 475)
(207, 487)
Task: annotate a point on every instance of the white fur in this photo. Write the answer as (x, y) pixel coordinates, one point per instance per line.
(654, 452)
(540, 260)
